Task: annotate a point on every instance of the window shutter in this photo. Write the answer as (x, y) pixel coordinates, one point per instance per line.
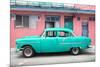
(33, 20)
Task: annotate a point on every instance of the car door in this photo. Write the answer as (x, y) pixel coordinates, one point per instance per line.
(49, 42)
(64, 41)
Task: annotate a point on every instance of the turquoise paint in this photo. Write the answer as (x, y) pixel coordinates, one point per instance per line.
(53, 44)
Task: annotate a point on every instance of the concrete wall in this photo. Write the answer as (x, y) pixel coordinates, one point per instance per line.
(21, 32)
(78, 26)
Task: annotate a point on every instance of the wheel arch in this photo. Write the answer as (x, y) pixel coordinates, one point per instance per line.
(30, 46)
(75, 47)
(74, 53)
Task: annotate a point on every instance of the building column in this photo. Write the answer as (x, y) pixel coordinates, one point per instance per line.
(92, 31)
(62, 21)
(77, 27)
(41, 24)
(12, 32)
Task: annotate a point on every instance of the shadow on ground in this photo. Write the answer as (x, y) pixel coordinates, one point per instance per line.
(58, 54)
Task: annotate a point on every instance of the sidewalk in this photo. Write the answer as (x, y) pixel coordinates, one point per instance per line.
(92, 49)
(87, 55)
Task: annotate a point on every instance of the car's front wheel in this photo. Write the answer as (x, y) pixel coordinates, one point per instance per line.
(28, 52)
(75, 51)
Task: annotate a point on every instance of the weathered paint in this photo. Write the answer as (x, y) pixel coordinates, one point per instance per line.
(92, 31)
(91, 26)
(77, 25)
(85, 7)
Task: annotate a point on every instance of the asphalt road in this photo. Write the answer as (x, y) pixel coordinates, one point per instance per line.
(54, 58)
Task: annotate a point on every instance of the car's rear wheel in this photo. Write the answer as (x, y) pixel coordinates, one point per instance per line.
(75, 51)
(28, 52)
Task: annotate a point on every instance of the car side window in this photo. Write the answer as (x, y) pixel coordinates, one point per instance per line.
(51, 33)
(64, 34)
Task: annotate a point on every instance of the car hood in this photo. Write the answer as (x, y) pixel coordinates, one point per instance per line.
(31, 37)
(28, 38)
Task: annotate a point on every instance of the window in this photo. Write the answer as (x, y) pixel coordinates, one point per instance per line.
(92, 18)
(78, 18)
(26, 21)
(51, 34)
(52, 18)
(18, 20)
(64, 34)
(22, 21)
(68, 18)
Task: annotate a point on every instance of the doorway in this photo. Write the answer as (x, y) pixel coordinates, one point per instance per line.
(68, 22)
(50, 25)
(52, 21)
(85, 29)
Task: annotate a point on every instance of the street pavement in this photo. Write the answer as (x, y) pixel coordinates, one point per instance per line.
(87, 55)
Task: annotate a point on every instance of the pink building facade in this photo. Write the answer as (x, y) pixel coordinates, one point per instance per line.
(28, 22)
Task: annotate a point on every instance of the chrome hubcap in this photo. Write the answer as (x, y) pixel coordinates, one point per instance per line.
(75, 50)
(28, 52)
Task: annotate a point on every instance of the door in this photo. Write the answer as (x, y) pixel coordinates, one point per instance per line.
(49, 42)
(68, 22)
(64, 41)
(85, 29)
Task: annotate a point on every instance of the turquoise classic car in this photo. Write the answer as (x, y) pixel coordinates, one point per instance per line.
(52, 40)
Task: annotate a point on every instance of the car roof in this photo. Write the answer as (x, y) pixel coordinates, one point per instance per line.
(59, 29)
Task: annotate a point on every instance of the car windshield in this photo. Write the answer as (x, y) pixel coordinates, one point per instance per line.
(41, 33)
(74, 34)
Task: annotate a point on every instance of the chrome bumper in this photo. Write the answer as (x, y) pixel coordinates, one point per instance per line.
(19, 50)
(90, 46)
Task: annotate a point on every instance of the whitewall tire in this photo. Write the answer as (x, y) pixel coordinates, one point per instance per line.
(75, 51)
(28, 52)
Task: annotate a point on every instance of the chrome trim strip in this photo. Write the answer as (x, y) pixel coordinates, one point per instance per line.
(30, 43)
(74, 43)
